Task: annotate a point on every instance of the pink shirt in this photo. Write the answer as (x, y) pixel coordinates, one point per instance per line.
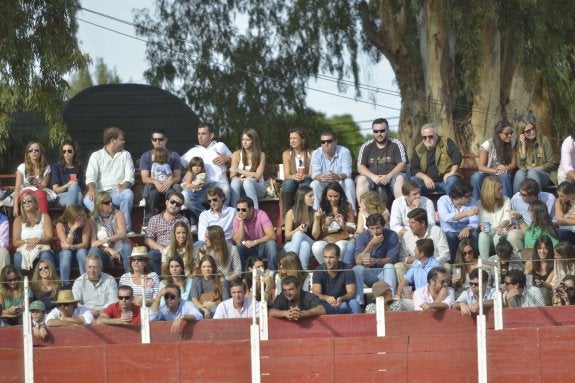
(254, 228)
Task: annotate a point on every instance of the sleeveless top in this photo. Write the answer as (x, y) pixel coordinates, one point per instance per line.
(241, 166)
(36, 231)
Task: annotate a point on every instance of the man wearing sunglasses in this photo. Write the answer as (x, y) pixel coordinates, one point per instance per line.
(68, 312)
(435, 162)
(253, 233)
(124, 311)
(381, 163)
(160, 229)
(436, 295)
(331, 163)
(218, 214)
(159, 189)
(111, 169)
(518, 293)
(468, 301)
(174, 308)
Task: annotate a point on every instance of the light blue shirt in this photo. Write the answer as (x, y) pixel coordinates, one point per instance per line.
(340, 162)
(186, 308)
(418, 272)
(225, 221)
(468, 298)
(522, 207)
(185, 294)
(447, 211)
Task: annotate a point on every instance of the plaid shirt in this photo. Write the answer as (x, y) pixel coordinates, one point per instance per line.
(159, 230)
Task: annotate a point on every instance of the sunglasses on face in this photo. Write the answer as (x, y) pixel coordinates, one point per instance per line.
(376, 131)
(65, 304)
(138, 260)
(169, 296)
(12, 280)
(213, 200)
(43, 268)
(24, 201)
(532, 130)
(107, 202)
(241, 209)
(428, 137)
(34, 150)
(64, 151)
(158, 139)
(325, 142)
(174, 202)
(124, 297)
(474, 284)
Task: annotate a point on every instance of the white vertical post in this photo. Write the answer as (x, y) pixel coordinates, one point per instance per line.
(263, 308)
(481, 331)
(497, 302)
(144, 318)
(380, 315)
(255, 332)
(28, 339)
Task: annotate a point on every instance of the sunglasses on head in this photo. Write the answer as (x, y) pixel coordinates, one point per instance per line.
(174, 202)
(124, 297)
(64, 151)
(168, 296)
(158, 139)
(107, 202)
(34, 150)
(241, 209)
(324, 142)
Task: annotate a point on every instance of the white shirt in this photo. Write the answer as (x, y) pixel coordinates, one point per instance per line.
(398, 217)
(80, 311)
(440, 246)
(214, 173)
(226, 309)
(225, 221)
(422, 295)
(107, 172)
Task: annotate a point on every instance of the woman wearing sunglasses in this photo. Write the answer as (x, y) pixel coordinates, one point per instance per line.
(109, 239)
(31, 234)
(11, 296)
(535, 157)
(45, 284)
(33, 175)
(68, 178)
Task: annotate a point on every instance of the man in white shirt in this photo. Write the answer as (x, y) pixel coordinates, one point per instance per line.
(68, 312)
(410, 200)
(436, 295)
(111, 169)
(219, 214)
(217, 157)
(238, 306)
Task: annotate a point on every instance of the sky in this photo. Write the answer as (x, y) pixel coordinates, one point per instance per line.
(127, 55)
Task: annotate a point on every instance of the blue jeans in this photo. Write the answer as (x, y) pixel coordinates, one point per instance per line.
(194, 200)
(72, 196)
(291, 186)
(348, 188)
(477, 181)
(453, 242)
(47, 255)
(350, 307)
(266, 250)
(347, 248)
(248, 187)
(301, 245)
(439, 186)
(124, 199)
(65, 261)
(539, 176)
(155, 261)
(368, 276)
(153, 198)
(125, 252)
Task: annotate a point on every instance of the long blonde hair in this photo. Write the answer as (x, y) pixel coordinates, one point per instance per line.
(218, 246)
(54, 278)
(489, 201)
(291, 266)
(187, 256)
(372, 202)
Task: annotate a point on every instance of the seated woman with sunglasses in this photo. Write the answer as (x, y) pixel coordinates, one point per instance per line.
(68, 178)
(11, 296)
(45, 284)
(31, 234)
(141, 272)
(109, 237)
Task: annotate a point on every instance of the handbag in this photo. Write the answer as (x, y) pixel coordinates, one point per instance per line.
(273, 188)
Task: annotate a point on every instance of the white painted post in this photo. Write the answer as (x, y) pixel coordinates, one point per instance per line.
(28, 339)
(380, 315)
(255, 332)
(263, 307)
(481, 350)
(497, 302)
(144, 318)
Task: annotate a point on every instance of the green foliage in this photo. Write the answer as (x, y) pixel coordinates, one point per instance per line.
(39, 46)
(101, 74)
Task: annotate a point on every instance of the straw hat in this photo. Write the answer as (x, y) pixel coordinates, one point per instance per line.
(140, 252)
(37, 305)
(65, 296)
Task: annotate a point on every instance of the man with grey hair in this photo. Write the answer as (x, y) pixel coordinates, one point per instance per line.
(94, 289)
(435, 161)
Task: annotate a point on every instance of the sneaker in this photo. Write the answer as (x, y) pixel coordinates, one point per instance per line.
(142, 203)
(131, 233)
(194, 229)
(144, 228)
